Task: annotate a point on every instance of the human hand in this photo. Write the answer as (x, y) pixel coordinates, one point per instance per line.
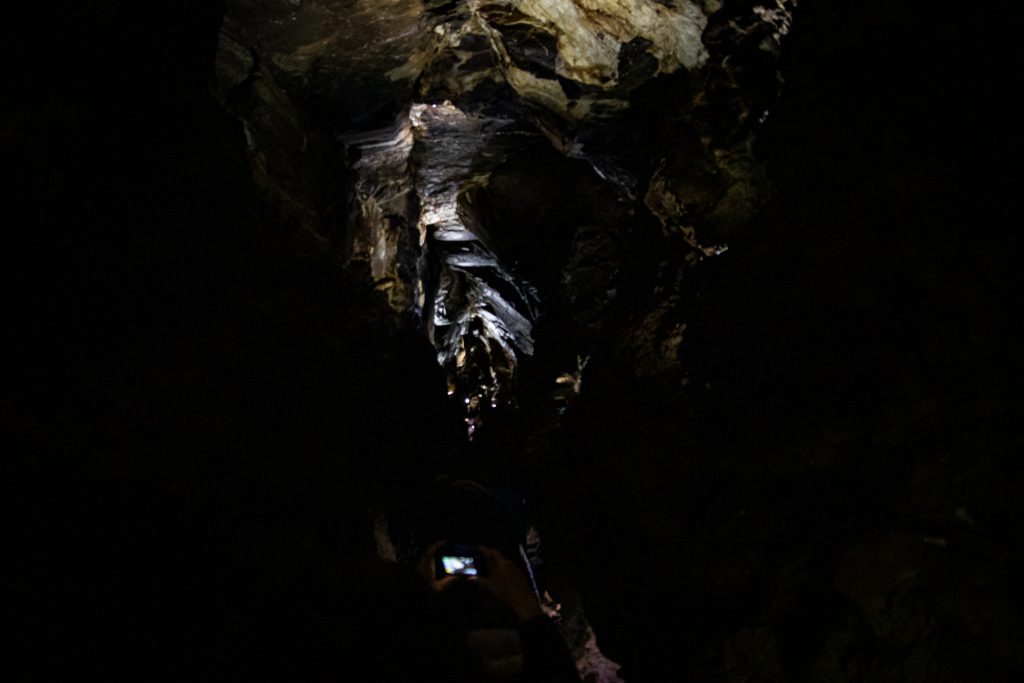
(509, 584)
(426, 569)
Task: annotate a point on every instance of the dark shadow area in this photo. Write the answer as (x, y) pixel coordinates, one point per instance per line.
(794, 461)
(200, 405)
(832, 494)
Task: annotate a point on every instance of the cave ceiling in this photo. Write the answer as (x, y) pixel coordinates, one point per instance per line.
(654, 106)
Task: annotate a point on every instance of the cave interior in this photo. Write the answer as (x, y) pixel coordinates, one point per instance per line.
(724, 288)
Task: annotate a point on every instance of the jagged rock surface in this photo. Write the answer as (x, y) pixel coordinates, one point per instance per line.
(240, 247)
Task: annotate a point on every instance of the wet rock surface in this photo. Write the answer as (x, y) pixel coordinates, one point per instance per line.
(725, 288)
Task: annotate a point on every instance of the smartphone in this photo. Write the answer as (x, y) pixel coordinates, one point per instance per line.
(456, 559)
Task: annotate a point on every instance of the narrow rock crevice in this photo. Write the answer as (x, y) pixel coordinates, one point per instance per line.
(722, 294)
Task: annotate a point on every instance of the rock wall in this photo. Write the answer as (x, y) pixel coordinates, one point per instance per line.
(742, 268)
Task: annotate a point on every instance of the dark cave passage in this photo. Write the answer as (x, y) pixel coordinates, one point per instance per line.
(723, 290)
